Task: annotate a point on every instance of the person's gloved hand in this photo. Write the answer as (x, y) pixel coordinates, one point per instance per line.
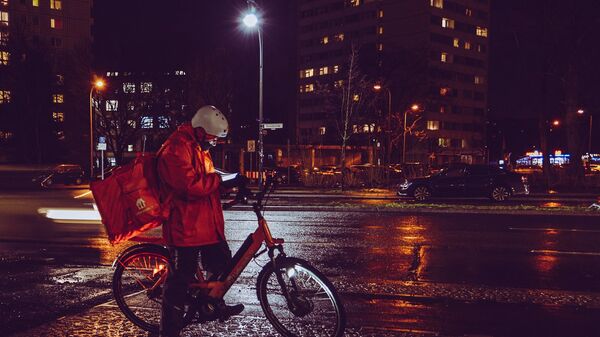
(238, 181)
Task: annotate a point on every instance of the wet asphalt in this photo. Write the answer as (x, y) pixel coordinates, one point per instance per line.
(399, 274)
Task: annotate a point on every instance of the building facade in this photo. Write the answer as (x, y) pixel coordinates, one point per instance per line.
(451, 39)
(44, 58)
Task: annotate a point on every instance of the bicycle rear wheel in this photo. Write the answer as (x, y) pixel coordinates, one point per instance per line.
(137, 286)
(312, 306)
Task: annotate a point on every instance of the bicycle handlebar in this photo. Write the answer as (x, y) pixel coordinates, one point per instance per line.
(244, 194)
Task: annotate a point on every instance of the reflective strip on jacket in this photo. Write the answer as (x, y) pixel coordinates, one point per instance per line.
(187, 173)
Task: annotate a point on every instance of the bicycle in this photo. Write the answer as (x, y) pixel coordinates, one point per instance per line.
(296, 298)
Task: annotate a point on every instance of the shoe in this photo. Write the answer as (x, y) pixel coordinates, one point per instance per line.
(226, 311)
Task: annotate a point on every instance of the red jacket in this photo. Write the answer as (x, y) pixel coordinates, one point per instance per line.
(187, 173)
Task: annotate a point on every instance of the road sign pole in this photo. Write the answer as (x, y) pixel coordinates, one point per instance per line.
(102, 163)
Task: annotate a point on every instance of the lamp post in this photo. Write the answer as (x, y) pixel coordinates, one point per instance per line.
(98, 84)
(378, 87)
(251, 20)
(414, 108)
(581, 112)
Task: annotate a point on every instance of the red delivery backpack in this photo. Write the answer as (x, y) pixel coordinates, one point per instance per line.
(129, 199)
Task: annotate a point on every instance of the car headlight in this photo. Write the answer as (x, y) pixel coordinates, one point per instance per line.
(406, 184)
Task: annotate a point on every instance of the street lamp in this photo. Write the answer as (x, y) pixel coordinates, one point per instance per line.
(98, 85)
(251, 20)
(582, 112)
(413, 108)
(378, 87)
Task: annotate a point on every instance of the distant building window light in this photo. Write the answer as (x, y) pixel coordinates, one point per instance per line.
(481, 31)
(444, 91)
(58, 98)
(380, 30)
(4, 96)
(58, 117)
(323, 71)
(325, 40)
(468, 12)
(146, 87)
(447, 23)
(147, 122)
(433, 125)
(3, 18)
(444, 142)
(3, 38)
(467, 45)
(163, 122)
(112, 74)
(180, 73)
(35, 3)
(56, 23)
(129, 88)
(336, 69)
(356, 97)
(59, 79)
(380, 46)
(456, 42)
(464, 143)
(443, 109)
(56, 4)
(4, 58)
(339, 37)
(353, 3)
(132, 124)
(4, 2)
(338, 83)
(130, 148)
(112, 105)
(130, 106)
(306, 73)
(307, 87)
(380, 13)
(478, 79)
(437, 3)
(444, 57)
(322, 130)
(6, 135)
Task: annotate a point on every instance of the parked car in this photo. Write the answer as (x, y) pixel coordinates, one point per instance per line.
(467, 180)
(65, 174)
(329, 170)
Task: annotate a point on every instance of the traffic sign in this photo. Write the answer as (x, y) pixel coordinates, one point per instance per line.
(102, 140)
(251, 145)
(272, 126)
(102, 146)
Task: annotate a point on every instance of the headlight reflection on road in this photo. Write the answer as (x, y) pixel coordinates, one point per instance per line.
(71, 214)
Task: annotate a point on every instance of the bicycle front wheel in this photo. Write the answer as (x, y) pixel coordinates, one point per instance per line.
(299, 301)
(137, 286)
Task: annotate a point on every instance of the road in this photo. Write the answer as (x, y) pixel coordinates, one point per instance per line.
(399, 274)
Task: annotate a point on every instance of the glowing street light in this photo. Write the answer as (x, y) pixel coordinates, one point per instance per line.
(556, 122)
(252, 21)
(97, 85)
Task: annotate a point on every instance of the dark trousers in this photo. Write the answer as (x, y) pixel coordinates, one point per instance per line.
(183, 267)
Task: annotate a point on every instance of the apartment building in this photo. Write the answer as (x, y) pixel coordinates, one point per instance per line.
(453, 36)
(39, 41)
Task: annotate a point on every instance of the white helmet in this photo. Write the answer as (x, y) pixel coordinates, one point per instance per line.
(211, 120)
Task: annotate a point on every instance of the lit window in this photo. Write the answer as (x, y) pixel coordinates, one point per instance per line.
(365, 128)
(468, 12)
(112, 74)
(4, 2)
(380, 13)
(147, 122)
(467, 45)
(325, 40)
(322, 130)
(433, 125)
(444, 91)
(323, 70)
(129, 88)
(443, 109)
(35, 3)
(464, 144)
(354, 3)
(3, 18)
(130, 148)
(444, 142)
(180, 73)
(338, 83)
(380, 46)
(58, 117)
(3, 38)
(146, 87)
(130, 106)
(437, 3)
(355, 128)
(356, 98)
(56, 4)
(56, 23)
(58, 98)
(336, 69)
(380, 30)
(163, 122)
(456, 42)
(6, 135)
(4, 57)
(132, 124)
(4, 96)
(307, 73)
(481, 31)
(112, 105)
(59, 79)
(478, 79)
(447, 23)
(307, 87)
(444, 57)
(339, 37)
